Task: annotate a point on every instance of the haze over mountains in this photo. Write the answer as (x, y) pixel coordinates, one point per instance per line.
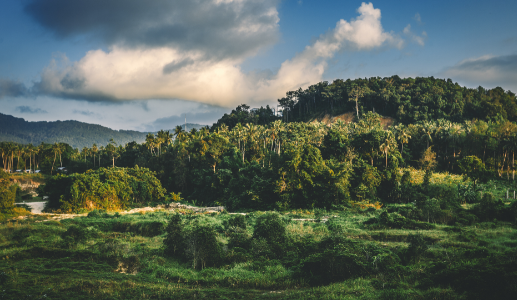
(76, 134)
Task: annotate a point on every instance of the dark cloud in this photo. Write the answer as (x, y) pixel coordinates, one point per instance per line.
(177, 65)
(44, 87)
(84, 112)
(487, 71)
(10, 88)
(203, 118)
(70, 83)
(506, 63)
(30, 110)
(225, 29)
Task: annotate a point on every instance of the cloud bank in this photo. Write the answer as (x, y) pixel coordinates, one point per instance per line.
(189, 50)
(487, 71)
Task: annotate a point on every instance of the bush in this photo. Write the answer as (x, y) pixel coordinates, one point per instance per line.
(75, 234)
(272, 228)
(236, 221)
(7, 193)
(173, 242)
(489, 208)
(238, 237)
(202, 247)
(394, 220)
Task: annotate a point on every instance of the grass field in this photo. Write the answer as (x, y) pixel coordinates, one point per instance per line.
(122, 257)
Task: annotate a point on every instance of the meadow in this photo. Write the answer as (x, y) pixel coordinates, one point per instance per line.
(352, 253)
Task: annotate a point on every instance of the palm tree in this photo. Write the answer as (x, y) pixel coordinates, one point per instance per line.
(167, 138)
(101, 150)
(387, 146)
(30, 151)
(112, 150)
(94, 151)
(403, 136)
(56, 148)
(160, 139)
(85, 152)
(149, 142)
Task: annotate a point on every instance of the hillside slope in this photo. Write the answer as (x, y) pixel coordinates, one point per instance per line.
(76, 134)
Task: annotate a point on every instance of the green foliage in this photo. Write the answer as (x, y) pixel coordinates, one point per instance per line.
(270, 228)
(7, 192)
(417, 247)
(489, 208)
(394, 220)
(473, 167)
(202, 247)
(76, 257)
(173, 242)
(76, 234)
(109, 189)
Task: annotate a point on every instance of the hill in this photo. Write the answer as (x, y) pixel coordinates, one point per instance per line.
(407, 100)
(76, 134)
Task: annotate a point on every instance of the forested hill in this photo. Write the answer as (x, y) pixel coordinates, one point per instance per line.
(408, 100)
(76, 134)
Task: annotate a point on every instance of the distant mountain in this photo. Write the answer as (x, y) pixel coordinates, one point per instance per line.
(76, 134)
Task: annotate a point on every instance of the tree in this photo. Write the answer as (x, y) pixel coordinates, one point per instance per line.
(7, 192)
(94, 151)
(472, 167)
(428, 160)
(387, 146)
(57, 148)
(112, 150)
(355, 93)
(173, 242)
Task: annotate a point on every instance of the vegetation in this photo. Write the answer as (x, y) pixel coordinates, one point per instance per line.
(422, 209)
(165, 255)
(112, 189)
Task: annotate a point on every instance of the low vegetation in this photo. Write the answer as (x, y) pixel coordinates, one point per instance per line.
(165, 254)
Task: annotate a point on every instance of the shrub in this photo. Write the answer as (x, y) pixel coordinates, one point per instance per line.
(202, 247)
(394, 220)
(488, 208)
(75, 234)
(238, 237)
(236, 221)
(173, 242)
(272, 228)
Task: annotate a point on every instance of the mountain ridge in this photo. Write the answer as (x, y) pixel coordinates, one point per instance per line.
(75, 133)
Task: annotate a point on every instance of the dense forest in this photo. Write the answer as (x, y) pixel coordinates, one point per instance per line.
(74, 133)
(408, 100)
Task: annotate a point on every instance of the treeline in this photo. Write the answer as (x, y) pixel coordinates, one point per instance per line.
(283, 165)
(409, 100)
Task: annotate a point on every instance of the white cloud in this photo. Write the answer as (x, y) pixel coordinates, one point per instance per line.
(418, 19)
(418, 39)
(170, 72)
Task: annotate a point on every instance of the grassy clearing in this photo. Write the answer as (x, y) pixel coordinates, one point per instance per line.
(122, 256)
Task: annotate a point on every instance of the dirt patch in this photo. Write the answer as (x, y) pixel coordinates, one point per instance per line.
(349, 117)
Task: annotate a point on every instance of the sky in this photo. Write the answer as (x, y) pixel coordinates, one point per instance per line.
(148, 65)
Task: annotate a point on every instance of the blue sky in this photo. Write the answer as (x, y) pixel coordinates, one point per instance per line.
(129, 64)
